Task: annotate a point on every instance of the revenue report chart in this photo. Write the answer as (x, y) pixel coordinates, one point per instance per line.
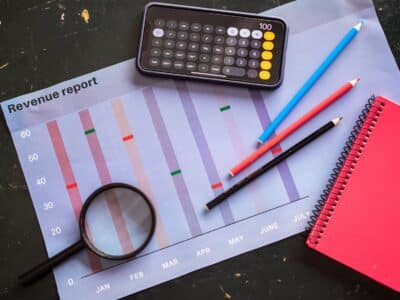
(176, 140)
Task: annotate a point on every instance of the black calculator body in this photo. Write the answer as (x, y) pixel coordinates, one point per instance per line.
(215, 45)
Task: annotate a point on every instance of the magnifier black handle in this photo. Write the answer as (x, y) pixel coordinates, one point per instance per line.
(45, 267)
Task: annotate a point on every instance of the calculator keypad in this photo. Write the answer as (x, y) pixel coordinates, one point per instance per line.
(186, 42)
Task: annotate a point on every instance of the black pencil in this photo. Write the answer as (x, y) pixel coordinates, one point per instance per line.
(313, 136)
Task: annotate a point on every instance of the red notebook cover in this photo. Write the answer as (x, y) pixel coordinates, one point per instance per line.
(359, 220)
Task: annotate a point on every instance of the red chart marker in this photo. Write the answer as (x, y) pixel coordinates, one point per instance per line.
(293, 127)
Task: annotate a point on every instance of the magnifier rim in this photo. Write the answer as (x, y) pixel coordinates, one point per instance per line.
(84, 210)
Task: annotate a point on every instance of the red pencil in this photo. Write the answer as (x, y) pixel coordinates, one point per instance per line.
(293, 127)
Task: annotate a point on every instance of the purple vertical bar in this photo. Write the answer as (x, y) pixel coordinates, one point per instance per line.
(283, 168)
(170, 157)
(201, 142)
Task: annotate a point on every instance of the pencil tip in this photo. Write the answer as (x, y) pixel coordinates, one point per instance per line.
(355, 81)
(337, 120)
(231, 173)
(259, 142)
(206, 208)
(358, 25)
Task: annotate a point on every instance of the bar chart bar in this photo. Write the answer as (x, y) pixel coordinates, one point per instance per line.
(105, 178)
(128, 138)
(283, 167)
(70, 182)
(172, 162)
(205, 153)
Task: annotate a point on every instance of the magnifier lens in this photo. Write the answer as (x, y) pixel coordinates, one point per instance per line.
(118, 222)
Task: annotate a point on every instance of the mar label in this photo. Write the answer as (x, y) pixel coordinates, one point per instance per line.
(170, 263)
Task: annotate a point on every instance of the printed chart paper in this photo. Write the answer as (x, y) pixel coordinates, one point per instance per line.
(176, 140)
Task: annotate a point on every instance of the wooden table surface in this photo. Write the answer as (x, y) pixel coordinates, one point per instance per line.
(46, 42)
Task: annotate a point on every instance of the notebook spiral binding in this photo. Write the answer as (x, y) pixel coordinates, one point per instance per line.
(340, 175)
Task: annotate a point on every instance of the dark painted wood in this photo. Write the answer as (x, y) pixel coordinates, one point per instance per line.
(38, 49)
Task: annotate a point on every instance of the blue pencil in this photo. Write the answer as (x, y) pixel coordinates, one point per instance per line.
(310, 82)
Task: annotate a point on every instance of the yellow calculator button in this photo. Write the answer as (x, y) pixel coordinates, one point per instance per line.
(268, 45)
(269, 35)
(265, 65)
(266, 55)
(264, 75)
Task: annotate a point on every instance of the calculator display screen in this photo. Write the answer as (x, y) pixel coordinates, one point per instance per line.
(216, 45)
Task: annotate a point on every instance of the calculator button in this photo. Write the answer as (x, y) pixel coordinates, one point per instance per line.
(194, 46)
(255, 44)
(265, 65)
(181, 45)
(241, 62)
(167, 53)
(208, 28)
(205, 48)
(231, 41)
(182, 35)
(166, 63)
(269, 36)
(219, 40)
(204, 58)
(266, 55)
(155, 52)
(254, 53)
(159, 23)
(195, 37)
(180, 54)
(178, 65)
(267, 45)
(217, 59)
(170, 34)
(172, 24)
(244, 32)
(243, 43)
(154, 61)
(169, 44)
(196, 27)
(192, 56)
(156, 42)
(158, 32)
(190, 66)
(232, 31)
(183, 25)
(206, 38)
(229, 60)
(218, 50)
(230, 51)
(264, 75)
(256, 34)
(215, 69)
(234, 71)
(253, 63)
(220, 30)
(202, 68)
(252, 73)
(242, 52)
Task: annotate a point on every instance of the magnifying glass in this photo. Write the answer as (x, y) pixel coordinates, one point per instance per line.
(116, 222)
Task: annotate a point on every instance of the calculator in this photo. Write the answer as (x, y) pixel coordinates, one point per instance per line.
(214, 45)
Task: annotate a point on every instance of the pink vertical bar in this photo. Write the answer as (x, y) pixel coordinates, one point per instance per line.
(137, 165)
(237, 144)
(105, 178)
(69, 180)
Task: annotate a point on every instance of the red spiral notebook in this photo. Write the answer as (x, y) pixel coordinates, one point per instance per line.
(357, 221)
